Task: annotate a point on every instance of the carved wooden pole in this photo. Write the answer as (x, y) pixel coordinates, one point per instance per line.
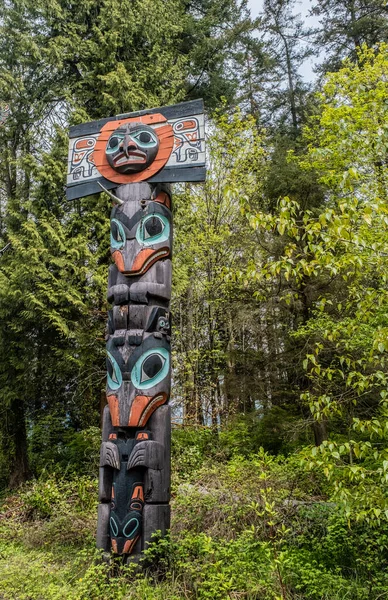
(134, 486)
(133, 157)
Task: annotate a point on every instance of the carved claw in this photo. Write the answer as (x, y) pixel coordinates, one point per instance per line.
(109, 455)
(148, 454)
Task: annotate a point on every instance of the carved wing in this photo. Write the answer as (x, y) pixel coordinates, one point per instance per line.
(109, 455)
(148, 454)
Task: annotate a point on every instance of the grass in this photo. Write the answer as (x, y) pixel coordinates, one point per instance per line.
(255, 529)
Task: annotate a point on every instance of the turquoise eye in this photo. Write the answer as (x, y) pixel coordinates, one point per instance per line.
(117, 234)
(151, 368)
(114, 527)
(114, 143)
(153, 229)
(146, 139)
(114, 376)
(130, 528)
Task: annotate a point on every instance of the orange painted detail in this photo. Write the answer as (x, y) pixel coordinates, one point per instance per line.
(143, 261)
(143, 407)
(138, 493)
(165, 134)
(113, 436)
(129, 545)
(163, 198)
(113, 492)
(146, 258)
(153, 405)
(142, 435)
(114, 546)
(138, 406)
(83, 144)
(118, 258)
(114, 410)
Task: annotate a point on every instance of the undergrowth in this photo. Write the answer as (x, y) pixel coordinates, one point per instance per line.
(255, 528)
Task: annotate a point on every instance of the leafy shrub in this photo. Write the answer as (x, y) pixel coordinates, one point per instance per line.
(190, 447)
(275, 430)
(56, 447)
(257, 528)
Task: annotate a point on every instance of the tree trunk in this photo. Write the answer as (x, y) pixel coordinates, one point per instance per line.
(17, 433)
(320, 432)
(291, 90)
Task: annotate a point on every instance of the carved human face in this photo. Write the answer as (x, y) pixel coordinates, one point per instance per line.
(132, 148)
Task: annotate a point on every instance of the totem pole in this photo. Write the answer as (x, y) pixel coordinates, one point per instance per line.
(133, 158)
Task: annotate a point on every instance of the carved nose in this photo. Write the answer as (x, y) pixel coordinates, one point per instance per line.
(131, 148)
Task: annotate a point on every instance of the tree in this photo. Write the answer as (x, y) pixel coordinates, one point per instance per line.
(215, 336)
(288, 44)
(346, 25)
(335, 258)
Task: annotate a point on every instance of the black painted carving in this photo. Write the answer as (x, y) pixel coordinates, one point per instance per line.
(134, 489)
(133, 157)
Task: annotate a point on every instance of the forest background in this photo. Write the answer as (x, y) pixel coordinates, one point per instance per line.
(279, 303)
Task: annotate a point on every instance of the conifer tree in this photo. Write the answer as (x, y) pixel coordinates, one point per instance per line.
(288, 43)
(347, 24)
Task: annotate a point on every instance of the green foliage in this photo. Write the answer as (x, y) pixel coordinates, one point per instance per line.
(189, 448)
(345, 26)
(332, 260)
(275, 430)
(51, 495)
(211, 244)
(54, 446)
(260, 528)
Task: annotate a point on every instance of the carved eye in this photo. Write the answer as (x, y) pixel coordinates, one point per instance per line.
(114, 143)
(152, 365)
(164, 323)
(151, 368)
(145, 139)
(153, 229)
(131, 527)
(114, 527)
(117, 234)
(114, 376)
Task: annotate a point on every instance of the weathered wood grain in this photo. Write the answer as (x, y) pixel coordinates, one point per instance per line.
(183, 109)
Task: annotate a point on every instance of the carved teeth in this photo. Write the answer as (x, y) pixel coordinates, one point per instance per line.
(130, 158)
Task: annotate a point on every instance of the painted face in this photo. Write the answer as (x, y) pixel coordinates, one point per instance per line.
(140, 237)
(127, 501)
(138, 379)
(132, 148)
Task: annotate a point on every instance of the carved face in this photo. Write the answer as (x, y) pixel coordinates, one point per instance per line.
(132, 148)
(140, 236)
(138, 379)
(127, 501)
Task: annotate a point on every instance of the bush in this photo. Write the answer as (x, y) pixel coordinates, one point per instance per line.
(55, 447)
